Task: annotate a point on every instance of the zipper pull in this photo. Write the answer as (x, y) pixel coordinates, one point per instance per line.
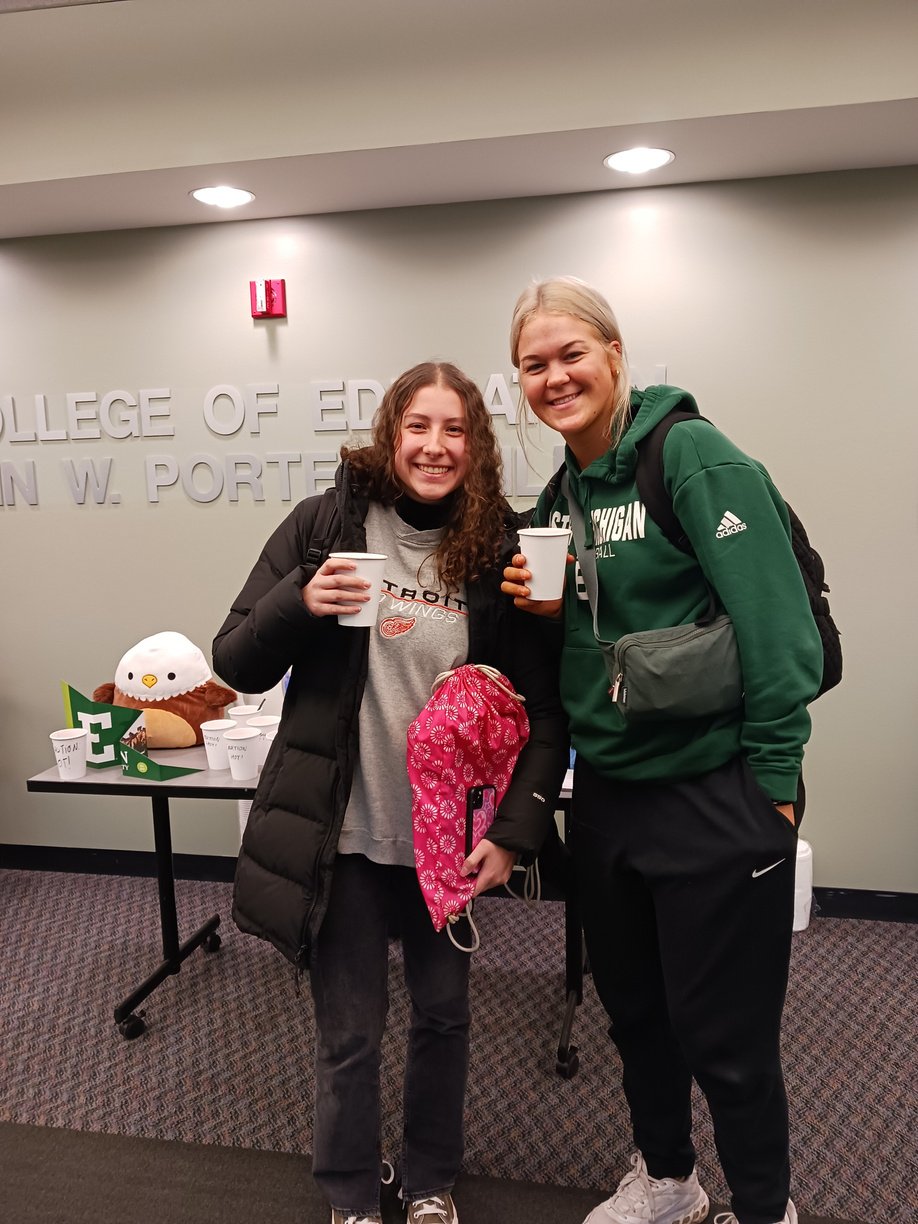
(614, 690)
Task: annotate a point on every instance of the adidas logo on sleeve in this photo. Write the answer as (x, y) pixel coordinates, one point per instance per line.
(729, 525)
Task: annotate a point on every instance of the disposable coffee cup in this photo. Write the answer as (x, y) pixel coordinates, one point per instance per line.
(214, 743)
(265, 724)
(242, 751)
(241, 712)
(69, 747)
(545, 550)
(370, 567)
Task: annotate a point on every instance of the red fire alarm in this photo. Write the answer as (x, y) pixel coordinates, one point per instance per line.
(269, 299)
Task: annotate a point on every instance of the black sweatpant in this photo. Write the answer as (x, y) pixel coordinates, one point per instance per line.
(687, 891)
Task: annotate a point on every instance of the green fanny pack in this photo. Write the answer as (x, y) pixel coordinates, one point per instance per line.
(688, 671)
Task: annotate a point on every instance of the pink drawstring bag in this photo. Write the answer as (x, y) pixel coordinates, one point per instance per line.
(470, 733)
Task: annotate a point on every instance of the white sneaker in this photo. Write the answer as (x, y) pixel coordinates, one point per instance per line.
(642, 1199)
(790, 1216)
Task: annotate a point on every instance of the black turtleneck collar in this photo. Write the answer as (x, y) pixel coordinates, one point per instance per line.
(424, 516)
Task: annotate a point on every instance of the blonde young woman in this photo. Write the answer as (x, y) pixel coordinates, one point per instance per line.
(683, 831)
(326, 869)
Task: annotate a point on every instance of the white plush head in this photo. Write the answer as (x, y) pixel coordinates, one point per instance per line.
(161, 666)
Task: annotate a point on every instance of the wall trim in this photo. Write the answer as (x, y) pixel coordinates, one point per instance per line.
(865, 903)
(827, 902)
(88, 861)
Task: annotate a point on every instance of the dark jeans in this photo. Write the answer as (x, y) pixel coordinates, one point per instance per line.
(349, 984)
(688, 896)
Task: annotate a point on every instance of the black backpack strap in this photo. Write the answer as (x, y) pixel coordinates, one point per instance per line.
(648, 475)
(323, 529)
(553, 488)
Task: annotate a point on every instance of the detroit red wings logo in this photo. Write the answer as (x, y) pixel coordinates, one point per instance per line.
(393, 626)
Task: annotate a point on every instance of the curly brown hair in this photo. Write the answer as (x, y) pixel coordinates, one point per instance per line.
(475, 528)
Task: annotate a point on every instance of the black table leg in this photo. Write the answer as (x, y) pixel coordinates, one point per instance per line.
(174, 953)
(568, 1061)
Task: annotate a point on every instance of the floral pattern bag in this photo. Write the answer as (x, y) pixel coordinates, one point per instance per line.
(470, 733)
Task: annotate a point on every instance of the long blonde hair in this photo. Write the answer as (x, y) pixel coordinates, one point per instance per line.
(475, 528)
(568, 295)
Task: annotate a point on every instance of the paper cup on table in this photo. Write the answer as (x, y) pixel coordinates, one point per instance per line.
(269, 737)
(545, 550)
(214, 743)
(240, 712)
(370, 567)
(264, 724)
(70, 752)
(242, 751)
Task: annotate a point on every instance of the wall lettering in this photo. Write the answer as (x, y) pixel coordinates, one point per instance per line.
(342, 406)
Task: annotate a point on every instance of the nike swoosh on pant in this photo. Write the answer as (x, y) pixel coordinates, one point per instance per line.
(756, 874)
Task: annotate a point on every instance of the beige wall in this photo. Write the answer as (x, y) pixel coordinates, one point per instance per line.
(787, 306)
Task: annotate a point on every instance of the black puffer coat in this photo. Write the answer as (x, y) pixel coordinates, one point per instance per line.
(288, 850)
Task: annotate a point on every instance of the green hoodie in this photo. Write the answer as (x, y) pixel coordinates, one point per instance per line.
(738, 526)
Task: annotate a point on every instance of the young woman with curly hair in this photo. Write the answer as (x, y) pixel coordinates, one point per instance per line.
(473, 510)
(326, 869)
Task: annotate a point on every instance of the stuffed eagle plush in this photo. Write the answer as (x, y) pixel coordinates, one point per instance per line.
(167, 677)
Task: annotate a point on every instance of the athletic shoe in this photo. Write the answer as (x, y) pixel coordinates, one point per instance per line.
(434, 1209)
(642, 1199)
(790, 1216)
(354, 1217)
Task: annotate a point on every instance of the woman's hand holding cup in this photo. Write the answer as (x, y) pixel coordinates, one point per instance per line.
(516, 583)
(344, 585)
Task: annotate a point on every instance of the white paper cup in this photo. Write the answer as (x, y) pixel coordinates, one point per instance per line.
(265, 724)
(69, 747)
(545, 550)
(370, 567)
(270, 736)
(242, 750)
(214, 743)
(242, 711)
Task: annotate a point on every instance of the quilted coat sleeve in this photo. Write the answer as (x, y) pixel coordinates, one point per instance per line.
(269, 626)
(531, 653)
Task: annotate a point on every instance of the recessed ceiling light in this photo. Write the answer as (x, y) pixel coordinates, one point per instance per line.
(638, 161)
(223, 197)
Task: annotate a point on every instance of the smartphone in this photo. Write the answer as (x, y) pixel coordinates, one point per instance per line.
(480, 804)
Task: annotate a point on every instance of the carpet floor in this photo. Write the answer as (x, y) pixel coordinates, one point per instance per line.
(225, 1061)
(76, 1177)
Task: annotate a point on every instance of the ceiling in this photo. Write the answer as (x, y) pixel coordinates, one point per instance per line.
(112, 112)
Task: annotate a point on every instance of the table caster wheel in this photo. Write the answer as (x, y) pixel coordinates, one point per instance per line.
(567, 1067)
(130, 1027)
(212, 942)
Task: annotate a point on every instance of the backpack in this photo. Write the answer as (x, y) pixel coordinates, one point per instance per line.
(657, 502)
(323, 529)
(468, 735)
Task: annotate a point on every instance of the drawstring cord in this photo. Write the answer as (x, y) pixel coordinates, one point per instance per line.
(491, 672)
(532, 884)
(476, 937)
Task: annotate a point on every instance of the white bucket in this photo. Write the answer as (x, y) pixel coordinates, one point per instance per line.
(803, 885)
